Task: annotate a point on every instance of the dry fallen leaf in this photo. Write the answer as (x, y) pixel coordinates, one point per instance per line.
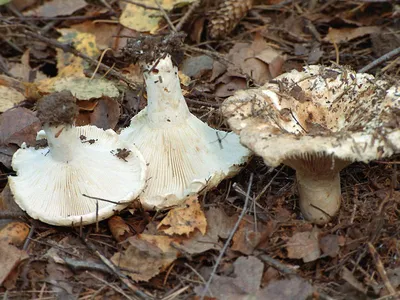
(146, 256)
(246, 280)
(106, 114)
(19, 125)
(184, 219)
(105, 33)
(119, 229)
(330, 244)
(56, 8)
(347, 34)
(246, 238)
(142, 19)
(9, 97)
(304, 245)
(219, 225)
(10, 257)
(14, 233)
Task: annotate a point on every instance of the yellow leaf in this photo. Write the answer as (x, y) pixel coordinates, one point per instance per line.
(82, 41)
(146, 256)
(9, 97)
(142, 19)
(14, 233)
(184, 219)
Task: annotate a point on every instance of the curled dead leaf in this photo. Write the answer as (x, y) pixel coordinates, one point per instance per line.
(185, 219)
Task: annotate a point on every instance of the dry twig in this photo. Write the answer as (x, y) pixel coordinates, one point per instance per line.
(228, 241)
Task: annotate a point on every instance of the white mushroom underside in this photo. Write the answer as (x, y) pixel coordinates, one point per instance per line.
(184, 157)
(52, 191)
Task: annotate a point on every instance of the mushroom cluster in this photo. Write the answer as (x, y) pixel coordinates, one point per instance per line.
(318, 121)
(84, 175)
(184, 155)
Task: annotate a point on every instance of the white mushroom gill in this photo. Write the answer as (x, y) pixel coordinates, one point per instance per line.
(51, 182)
(184, 155)
(325, 119)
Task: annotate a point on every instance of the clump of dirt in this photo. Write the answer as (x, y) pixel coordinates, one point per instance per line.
(150, 48)
(57, 108)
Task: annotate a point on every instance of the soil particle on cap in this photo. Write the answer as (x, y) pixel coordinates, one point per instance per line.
(150, 48)
(57, 109)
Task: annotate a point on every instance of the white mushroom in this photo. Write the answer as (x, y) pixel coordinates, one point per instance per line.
(52, 182)
(318, 121)
(184, 155)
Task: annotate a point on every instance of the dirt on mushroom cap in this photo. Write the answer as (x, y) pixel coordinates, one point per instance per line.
(325, 110)
(57, 108)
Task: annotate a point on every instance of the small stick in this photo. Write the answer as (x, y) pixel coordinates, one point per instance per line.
(380, 60)
(277, 264)
(166, 17)
(29, 237)
(86, 265)
(12, 215)
(381, 270)
(227, 242)
(186, 16)
(115, 270)
(117, 289)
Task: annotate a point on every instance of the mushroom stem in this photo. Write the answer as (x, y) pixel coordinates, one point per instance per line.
(165, 99)
(59, 142)
(319, 196)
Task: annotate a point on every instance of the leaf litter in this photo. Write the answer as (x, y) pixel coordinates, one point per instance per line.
(274, 254)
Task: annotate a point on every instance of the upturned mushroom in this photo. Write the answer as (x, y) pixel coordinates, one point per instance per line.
(318, 121)
(184, 155)
(84, 175)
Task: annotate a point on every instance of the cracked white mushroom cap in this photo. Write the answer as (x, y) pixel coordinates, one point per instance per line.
(318, 121)
(51, 182)
(184, 155)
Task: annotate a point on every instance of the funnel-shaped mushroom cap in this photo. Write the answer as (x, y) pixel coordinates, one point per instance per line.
(183, 154)
(51, 182)
(318, 121)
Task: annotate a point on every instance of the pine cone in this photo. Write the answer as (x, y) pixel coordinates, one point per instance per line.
(227, 16)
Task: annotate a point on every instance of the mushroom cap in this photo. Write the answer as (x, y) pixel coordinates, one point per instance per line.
(319, 112)
(183, 159)
(184, 155)
(52, 190)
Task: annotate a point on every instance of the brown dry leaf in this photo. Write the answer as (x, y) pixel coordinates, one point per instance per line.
(14, 233)
(119, 229)
(106, 113)
(23, 71)
(246, 238)
(142, 19)
(56, 8)
(347, 34)
(254, 61)
(330, 244)
(287, 289)
(219, 225)
(146, 256)
(7, 201)
(228, 85)
(19, 125)
(10, 257)
(304, 245)
(184, 219)
(9, 97)
(105, 33)
(245, 283)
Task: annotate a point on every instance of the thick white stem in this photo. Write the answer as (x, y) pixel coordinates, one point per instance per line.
(319, 196)
(166, 103)
(60, 143)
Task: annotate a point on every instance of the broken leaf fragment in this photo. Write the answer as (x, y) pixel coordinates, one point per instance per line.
(84, 88)
(185, 218)
(56, 8)
(9, 97)
(144, 19)
(10, 257)
(304, 245)
(14, 233)
(146, 256)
